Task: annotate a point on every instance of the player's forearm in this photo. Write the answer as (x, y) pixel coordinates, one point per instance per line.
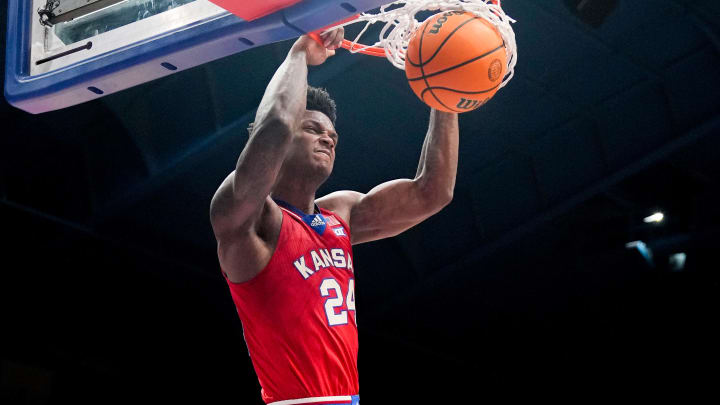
(277, 116)
(438, 160)
(285, 96)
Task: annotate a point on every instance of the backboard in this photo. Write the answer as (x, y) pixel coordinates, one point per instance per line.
(61, 53)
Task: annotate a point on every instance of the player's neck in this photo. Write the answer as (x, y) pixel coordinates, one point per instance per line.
(297, 195)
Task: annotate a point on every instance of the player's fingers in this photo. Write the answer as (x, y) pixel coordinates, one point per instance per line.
(330, 52)
(327, 38)
(331, 41)
(316, 37)
(338, 37)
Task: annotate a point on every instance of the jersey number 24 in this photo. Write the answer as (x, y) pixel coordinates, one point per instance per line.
(337, 318)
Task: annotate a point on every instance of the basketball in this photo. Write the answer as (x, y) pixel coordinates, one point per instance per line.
(455, 61)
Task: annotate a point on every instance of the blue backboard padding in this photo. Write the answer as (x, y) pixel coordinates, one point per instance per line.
(306, 14)
(140, 63)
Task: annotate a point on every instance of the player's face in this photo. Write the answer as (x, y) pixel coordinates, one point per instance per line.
(315, 143)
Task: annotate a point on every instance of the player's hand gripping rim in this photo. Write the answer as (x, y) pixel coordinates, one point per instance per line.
(319, 47)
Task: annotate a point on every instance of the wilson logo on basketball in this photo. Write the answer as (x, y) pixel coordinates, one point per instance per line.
(468, 104)
(495, 70)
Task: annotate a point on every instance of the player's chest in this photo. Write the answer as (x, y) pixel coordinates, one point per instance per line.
(310, 256)
(318, 277)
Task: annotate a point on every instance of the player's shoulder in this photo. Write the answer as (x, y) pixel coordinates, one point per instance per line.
(339, 200)
(340, 203)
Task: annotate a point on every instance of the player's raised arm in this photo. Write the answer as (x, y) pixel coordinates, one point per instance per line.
(398, 205)
(241, 208)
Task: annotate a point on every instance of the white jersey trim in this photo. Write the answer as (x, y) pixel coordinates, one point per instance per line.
(311, 400)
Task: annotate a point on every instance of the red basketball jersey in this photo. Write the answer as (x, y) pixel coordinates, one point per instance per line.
(298, 313)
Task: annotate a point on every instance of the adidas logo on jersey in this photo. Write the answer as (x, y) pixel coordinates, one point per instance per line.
(317, 221)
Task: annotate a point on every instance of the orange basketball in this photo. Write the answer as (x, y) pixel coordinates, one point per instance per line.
(455, 61)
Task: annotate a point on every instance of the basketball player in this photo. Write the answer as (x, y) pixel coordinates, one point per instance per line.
(287, 256)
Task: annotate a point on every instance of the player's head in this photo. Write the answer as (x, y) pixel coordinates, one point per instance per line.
(313, 148)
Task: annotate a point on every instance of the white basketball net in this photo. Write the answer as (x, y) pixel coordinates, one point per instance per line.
(400, 24)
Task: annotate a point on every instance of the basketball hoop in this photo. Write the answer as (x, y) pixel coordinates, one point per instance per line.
(401, 24)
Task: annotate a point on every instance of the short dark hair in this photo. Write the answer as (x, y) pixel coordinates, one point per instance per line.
(318, 99)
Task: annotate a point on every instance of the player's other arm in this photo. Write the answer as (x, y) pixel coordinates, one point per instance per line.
(398, 205)
(241, 213)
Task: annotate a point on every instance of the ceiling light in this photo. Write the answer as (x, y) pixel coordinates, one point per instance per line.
(677, 261)
(656, 217)
(644, 250)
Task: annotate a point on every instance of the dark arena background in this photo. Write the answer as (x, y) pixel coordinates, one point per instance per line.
(540, 280)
